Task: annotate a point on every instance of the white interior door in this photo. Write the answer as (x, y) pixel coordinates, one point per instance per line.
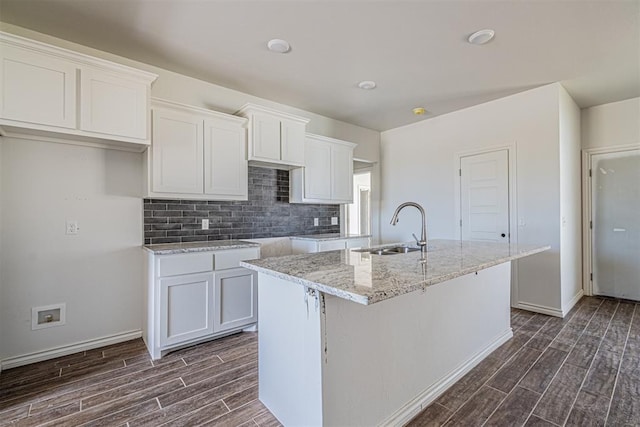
(615, 213)
(484, 196)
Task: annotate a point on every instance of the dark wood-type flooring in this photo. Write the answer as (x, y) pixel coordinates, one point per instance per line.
(582, 370)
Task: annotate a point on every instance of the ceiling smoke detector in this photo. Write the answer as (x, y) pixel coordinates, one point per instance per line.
(279, 46)
(481, 37)
(367, 84)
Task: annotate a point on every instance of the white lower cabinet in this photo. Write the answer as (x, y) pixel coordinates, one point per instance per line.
(198, 296)
(236, 299)
(186, 308)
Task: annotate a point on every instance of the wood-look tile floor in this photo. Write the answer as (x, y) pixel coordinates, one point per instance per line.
(578, 371)
(583, 370)
(214, 383)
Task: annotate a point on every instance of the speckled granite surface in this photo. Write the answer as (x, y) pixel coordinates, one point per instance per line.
(330, 236)
(366, 279)
(214, 245)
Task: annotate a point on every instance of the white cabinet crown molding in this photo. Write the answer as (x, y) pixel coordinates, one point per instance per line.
(79, 58)
(331, 140)
(250, 108)
(190, 109)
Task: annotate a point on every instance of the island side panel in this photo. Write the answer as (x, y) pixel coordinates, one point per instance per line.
(289, 352)
(386, 361)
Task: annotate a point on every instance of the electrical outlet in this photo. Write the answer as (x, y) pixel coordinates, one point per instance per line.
(72, 227)
(205, 224)
(334, 220)
(316, 222)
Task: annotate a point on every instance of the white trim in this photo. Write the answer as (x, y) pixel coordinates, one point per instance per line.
(587, 243)
(190, 109)
(543, 309)
(567, 307)
(39, 356)
(512, 150)
(406, 413)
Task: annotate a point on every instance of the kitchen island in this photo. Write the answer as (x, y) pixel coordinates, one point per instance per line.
(353, 338)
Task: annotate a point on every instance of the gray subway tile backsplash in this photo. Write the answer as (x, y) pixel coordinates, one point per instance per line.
(267, 213)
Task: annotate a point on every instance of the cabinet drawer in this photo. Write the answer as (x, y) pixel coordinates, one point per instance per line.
(231, 258)
(173, 265)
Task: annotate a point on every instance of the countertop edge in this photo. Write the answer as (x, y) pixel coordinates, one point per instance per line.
(319, 238)
(178, 250)
(361, 299)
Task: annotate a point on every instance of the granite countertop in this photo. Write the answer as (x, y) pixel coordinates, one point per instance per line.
(214, 245)
(364, 278)
(330, 236)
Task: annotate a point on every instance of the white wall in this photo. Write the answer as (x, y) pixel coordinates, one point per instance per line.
(97, 273)
(608, 125)
(570, 201)
(418, 164)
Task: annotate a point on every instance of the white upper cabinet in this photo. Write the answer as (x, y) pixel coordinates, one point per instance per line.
(196, 154)
(225, 159)
(177, 153)
(65, 95)
(276, 139)
(112, 104)
(327, 176)
(37, 88)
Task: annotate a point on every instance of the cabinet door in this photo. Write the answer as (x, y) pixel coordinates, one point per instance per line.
(186, 308)
(317, 171)
(113, 105)
(36, 88)
(265, 137)
(342, 174)
(292, 142)
(177, 149)
(225, 160)
(236, 298)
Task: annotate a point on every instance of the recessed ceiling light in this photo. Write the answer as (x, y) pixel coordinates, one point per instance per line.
(419, 111)
(367, 84)
(481, 37)
(279, 46)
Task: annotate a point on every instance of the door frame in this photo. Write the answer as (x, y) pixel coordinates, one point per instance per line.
(587, 214)
(513, 201)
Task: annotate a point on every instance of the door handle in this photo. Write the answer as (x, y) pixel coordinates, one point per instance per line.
(503, 235)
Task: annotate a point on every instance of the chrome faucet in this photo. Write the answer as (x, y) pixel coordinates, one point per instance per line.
(423, 237)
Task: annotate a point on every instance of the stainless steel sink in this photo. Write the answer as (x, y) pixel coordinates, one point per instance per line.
(393, 250)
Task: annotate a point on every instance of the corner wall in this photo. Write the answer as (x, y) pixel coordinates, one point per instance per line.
(570, 202)
(418, 163)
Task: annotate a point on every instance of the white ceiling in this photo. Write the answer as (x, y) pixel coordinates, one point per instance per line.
(415, 50)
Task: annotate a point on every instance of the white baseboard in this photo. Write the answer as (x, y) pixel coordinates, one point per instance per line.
(567, 308)
(542, 309)
(406, 413)
(25, 359)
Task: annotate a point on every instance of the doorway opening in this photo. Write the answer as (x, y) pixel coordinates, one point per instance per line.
(612, 223)
(359, 212)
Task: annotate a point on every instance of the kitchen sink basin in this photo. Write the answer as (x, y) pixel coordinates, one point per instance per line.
(393, 251)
